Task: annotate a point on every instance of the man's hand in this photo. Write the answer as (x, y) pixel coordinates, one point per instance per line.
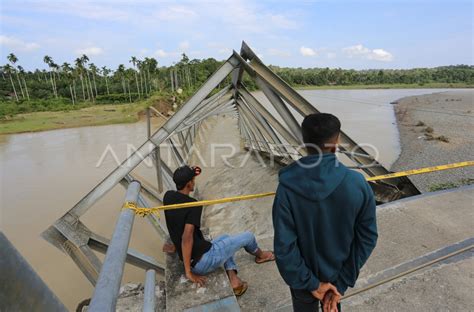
(330, 301)
(198, 279)
(323, 289)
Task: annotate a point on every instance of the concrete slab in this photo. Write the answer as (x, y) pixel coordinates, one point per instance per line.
(181, 294)
(445, 287)
(408, 228)
(412, 227)
(132, 296)
(267, 290)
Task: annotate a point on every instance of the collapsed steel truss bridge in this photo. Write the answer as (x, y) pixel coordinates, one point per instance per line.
(261, 131)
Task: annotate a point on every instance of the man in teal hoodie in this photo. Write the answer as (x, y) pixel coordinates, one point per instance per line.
(324, 220)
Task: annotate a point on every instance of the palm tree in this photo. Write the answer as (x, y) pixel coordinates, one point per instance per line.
(55, 68)
(49, 61)
(121, 72)
(93, 69)
(140, 73)
(79, 68)
(134, 60)
(13, 59)
(67, 70)
(106, 72)
(22, 72)
(9, 69)
(85, 59)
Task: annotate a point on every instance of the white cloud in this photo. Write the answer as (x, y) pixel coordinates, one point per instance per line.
(359, 51)
(381, 55)
(90, 51)
(17, 44)
(163, 53)
(356, 50)
(331, 55)
(305, 51)
(277, 52)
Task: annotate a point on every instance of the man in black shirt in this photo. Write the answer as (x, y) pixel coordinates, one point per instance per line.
(200, 256)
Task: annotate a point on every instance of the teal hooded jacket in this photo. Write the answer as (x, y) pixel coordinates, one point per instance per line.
(324, 221)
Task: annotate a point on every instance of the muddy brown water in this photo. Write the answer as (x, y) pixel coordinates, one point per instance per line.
(44, 174)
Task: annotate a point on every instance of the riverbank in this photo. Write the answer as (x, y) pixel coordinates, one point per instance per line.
(436, 129)
(96, 115)
(431, 85)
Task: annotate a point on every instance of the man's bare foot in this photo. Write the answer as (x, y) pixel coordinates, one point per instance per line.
(169, 248)
(264, 256)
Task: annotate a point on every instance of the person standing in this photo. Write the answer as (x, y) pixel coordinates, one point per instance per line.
(324, 220)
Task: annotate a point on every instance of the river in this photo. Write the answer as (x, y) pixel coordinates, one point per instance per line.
(44, 174)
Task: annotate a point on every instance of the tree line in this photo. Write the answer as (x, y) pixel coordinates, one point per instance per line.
(82, 82)
(338, 76)
(85, 82)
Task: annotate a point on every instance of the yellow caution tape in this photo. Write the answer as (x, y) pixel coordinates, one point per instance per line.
(146, 211)
(422, 170)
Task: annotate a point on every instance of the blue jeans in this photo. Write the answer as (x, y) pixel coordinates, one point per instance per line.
(222, 252)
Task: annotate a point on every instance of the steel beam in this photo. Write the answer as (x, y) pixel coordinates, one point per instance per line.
(265, 127)
(261, 132)
(177, 155)
(149, 301)
(158, 165)
(57, 239)
(204, 111)
(156, 139)
(110, 277)
(283, 131)
(21, 288)
(257, 69)
(156, 151)
(281, 108)
(154, 221)
(253, 133)
(133, 257)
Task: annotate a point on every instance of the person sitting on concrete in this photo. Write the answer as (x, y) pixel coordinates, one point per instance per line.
(324, 220)
(200, 257)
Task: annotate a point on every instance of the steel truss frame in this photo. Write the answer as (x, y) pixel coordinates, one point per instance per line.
(259, 129)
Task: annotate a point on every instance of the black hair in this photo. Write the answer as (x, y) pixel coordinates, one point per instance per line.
(179, 187)
(319, 129)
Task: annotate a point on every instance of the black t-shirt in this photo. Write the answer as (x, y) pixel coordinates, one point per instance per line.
(176, 220)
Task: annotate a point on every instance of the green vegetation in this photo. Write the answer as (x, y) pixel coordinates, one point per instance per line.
(87, 116)
(417, 77)
(450, 185)
(68, 88)
(430, 85)
(70, 91)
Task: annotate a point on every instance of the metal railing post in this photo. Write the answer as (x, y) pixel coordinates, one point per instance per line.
(108, 284)
(149, 301)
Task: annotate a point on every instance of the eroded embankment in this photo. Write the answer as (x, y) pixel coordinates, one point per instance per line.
(436, 129)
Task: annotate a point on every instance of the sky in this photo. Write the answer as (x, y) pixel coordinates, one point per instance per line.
(345, 34)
